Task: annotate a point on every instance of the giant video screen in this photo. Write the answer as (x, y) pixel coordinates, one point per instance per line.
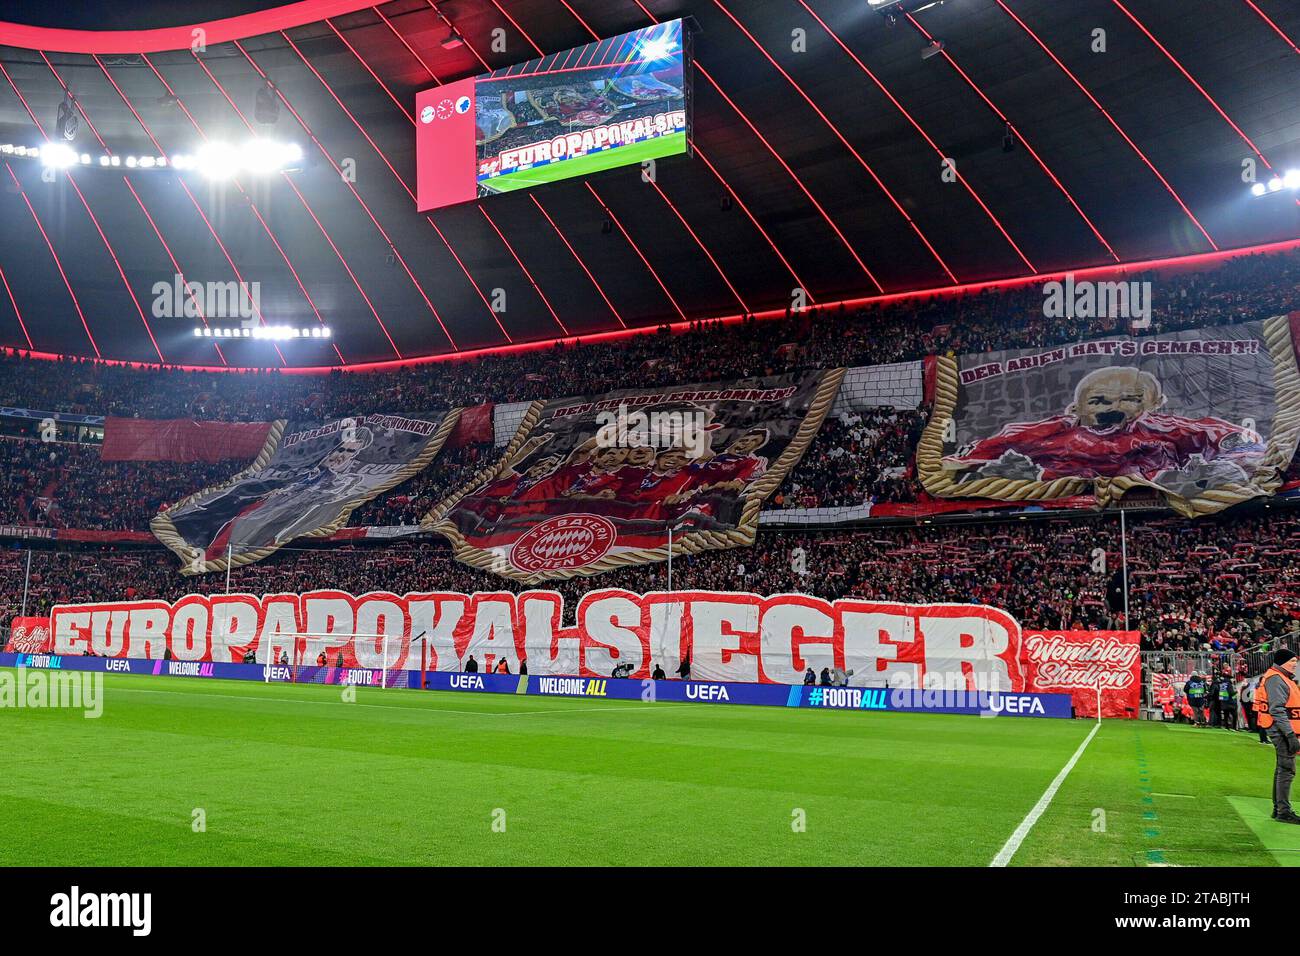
(614, 102)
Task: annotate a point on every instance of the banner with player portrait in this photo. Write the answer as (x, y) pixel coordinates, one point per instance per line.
(305, 482)
(1207, 418)
(591, 484)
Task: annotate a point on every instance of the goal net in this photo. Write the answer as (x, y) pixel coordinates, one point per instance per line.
(342, 658)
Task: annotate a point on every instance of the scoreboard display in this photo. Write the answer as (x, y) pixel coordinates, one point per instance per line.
(615, 102)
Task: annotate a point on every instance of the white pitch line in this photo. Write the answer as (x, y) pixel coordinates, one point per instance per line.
(1013, 842)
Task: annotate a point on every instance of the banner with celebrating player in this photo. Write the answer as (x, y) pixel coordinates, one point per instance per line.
(591, 484)
(305, 482)
(1207, 418)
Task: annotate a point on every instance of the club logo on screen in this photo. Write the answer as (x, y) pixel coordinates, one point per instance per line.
(426, 115)
(462, 104)
(444, 109)
(567, 541)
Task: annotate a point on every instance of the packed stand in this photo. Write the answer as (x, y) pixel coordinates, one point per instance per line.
(1230, 582)
(857, 458)
(65, 485)
(1241, 289)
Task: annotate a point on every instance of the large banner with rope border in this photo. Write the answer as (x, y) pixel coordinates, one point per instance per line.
(1207, 418)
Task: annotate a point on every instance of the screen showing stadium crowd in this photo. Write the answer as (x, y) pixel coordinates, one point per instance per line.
(1230, 581)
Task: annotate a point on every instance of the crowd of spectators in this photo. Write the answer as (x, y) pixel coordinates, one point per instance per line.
(410, 501)
(66, 485)
(857, 458)
(1240, 289)
(1224, 582)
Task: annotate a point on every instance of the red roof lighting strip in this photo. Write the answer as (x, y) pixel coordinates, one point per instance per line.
(382, 85)
(375, 146)
(176, 265)
(523, 268)
(691, 232)
(166, 39)
(569, 245)
(510, 248)
(81, 108)
(355, 194)
(266, 227)
(388, 23)
(1276, 29)
(893, 200)
(514, 23)
(757, 225)
(777, 156)
(924, 135)
(1019, 136)
(574, 251)
(586, 25)
(836, 229)
(1110, 119)
(635, 248)
(59, 265)
(1200, 89)
(798, 182)
(705, 249)
(946, 291)
(469, 46)
(89, 212)
(1191, 79)
(181, 182)
(17, 311)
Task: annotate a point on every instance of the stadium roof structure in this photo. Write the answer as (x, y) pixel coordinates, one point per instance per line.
(1086, 133)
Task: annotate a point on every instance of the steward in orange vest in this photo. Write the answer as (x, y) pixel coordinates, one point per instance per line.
(1277, 704)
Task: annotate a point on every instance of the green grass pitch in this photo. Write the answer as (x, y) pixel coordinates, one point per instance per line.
(673, 144)
(296, 775)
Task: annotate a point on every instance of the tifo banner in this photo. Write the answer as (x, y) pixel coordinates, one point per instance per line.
(1207, 417)
(181, 439)
(591, 484)
(1082, 662)
(649, 692)
(715, 635)
(306, 481)
(28, 635)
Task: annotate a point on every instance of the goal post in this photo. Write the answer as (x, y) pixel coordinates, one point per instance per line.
(337, 657)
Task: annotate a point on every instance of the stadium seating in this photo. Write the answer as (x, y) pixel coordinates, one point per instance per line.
(1188, 588)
